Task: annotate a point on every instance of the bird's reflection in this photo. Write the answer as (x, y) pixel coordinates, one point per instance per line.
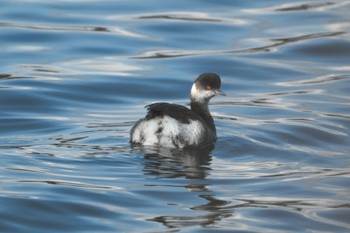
(174, 163)
(194, 166)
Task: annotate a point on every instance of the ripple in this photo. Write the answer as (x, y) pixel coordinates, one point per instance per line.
(5, 76)
(317, 80)
(183, 16)
(278, 42)
(292, 7)
(56, 27)
(306, 6)
(68, 183)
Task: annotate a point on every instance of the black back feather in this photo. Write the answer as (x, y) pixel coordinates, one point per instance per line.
(178, 112)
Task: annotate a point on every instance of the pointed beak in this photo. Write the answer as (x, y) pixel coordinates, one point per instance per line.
(219, 92)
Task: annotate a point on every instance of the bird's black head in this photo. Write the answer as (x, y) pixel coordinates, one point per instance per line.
(205, 87)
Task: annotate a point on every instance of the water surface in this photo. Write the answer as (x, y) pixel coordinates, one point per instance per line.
(76, 75)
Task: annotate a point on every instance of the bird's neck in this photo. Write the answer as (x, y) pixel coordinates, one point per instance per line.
(203, 111)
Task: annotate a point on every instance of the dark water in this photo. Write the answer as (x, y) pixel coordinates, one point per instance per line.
(75, 76)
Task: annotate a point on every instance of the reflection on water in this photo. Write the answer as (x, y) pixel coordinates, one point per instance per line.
(173, 163)
(194, 166)
(76, 76)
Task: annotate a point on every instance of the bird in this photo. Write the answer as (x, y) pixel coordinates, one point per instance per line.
(176, 126)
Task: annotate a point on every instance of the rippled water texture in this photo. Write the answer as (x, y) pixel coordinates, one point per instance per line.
(75, 76)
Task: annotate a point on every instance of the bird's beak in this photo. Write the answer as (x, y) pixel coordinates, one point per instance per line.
(219, 92)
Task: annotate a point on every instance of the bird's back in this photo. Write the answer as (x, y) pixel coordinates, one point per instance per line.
(171, 125)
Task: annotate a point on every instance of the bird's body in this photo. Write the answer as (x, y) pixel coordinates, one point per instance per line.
(172, 125)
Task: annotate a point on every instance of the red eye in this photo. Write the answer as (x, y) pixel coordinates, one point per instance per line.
(208, 87)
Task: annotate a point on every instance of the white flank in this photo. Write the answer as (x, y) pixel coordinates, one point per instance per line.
(165, 130)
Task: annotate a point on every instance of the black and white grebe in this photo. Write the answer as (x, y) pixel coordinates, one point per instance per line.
(175, 126)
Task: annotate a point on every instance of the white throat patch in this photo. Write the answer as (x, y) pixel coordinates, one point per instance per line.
(200, 95)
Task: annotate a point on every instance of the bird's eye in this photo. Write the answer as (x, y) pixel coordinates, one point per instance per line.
(208, 87)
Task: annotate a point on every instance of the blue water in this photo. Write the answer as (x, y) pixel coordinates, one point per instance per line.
(76, 75)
